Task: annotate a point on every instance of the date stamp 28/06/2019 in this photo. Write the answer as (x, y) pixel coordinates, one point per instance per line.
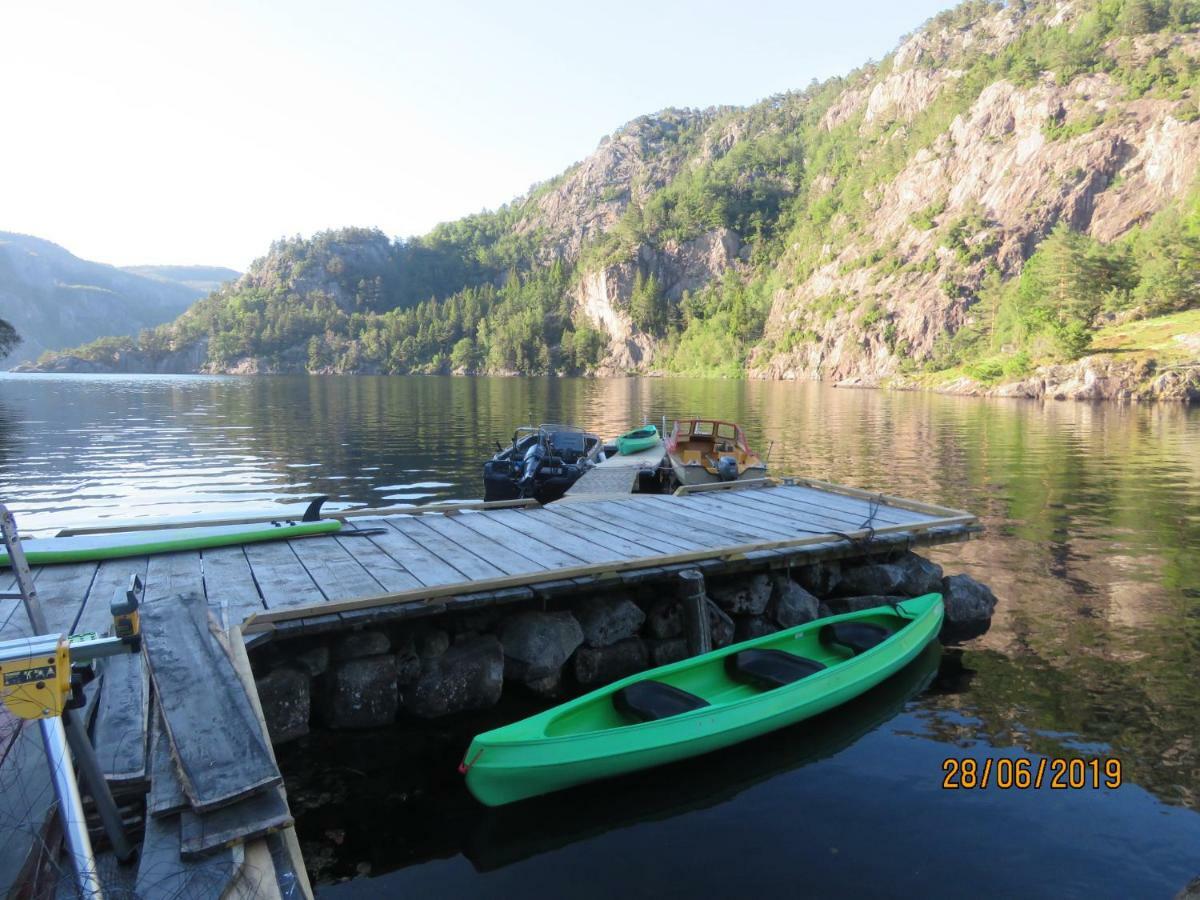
(1006, 773)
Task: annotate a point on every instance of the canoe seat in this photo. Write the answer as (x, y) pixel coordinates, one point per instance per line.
(650, 700)
(858, 637)
(770, 668)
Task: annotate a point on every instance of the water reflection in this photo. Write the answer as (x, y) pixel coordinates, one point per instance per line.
(1092, 511)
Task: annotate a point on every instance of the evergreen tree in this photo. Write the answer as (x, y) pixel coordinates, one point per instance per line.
(8, 338)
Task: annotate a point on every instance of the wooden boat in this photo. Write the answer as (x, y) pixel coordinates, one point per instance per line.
(700, 704)
(707, 451)
(636, 441)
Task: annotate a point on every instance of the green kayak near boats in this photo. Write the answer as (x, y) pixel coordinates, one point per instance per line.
(700, 704)
(637, 440)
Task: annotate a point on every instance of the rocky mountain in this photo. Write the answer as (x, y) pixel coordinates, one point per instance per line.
(1008, 193)
(55, 300)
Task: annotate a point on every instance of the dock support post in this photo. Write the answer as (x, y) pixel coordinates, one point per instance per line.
(695, 611)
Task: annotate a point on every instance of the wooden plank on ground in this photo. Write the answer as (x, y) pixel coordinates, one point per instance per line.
(119, 732)
(292, 877)
(449, 552)
(166, 795)
(229, 584)
(282, 579)
(215, 740)
(163, 873)
(258, 879)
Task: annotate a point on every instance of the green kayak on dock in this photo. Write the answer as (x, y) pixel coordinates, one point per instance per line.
(700, 704)
(637, 440)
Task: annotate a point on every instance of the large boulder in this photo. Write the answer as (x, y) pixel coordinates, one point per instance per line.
(469, 675)
(839, 605)
(664, 618)
(819, 578)
(314, 660)
(286, 702)
(600, 665)
(357, 644)
(606, 620)
(536, 644)
(790, 605)
(872, 578)
(667, 650)
(749, 627)
(360, 693)
(921, 575)
(742, 596)
(969, 608)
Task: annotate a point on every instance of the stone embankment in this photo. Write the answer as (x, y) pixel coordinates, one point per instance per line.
(455, 663)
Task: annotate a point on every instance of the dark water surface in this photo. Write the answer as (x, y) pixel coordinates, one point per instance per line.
(1093, 546)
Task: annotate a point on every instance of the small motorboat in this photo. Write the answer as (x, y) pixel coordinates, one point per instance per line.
(636, 441)
(707, 451)
(542, 462)
(700, 704)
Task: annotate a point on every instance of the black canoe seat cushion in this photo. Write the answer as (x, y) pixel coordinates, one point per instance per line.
(857, 636)
(770, 668)
(650, 700)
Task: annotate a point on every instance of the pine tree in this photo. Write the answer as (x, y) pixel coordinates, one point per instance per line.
(8, 338)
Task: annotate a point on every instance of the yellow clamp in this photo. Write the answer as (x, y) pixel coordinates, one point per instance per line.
(35, 676)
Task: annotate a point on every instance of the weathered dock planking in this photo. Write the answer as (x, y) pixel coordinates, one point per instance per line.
(413, 562)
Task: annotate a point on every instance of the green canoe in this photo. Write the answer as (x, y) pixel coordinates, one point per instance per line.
(700, 704)
(93, 547)
(637, 440)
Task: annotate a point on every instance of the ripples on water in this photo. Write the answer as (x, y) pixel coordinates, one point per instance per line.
(1093, 543)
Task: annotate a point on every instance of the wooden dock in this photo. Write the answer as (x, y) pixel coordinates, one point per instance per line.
(415, 563)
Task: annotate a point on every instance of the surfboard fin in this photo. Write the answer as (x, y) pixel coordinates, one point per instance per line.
(313, 513)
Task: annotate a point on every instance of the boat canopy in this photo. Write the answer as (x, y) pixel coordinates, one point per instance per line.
(709, 430)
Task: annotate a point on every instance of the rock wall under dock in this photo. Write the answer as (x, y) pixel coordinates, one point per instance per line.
(459, 662)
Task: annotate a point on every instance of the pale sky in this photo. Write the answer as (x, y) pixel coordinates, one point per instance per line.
(171, 132)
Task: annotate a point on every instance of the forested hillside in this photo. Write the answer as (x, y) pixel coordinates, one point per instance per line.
(1014, 188)
(56, 300)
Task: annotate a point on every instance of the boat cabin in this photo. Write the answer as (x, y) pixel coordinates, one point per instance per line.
(705, 450)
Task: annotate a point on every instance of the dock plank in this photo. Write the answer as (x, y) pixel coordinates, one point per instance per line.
(171, 574)
(166, 795)
(163, 873)
(507, 560)
(229, 584)
(609, 546)
(891, 515)
(532, 543)
(426, 567)
(837, 518)
(387, 571)
(660, 538)
(214, 737)
(120, 728)
(338, 574)
(282, 579)
(576, 547)
(470, 565)
(804, 518)
(732, 509)
(63, 591)
(726, 531)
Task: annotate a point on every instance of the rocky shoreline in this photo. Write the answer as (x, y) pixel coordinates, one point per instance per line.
(457, 663)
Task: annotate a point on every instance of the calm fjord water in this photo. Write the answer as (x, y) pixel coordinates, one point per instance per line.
(1093, 546)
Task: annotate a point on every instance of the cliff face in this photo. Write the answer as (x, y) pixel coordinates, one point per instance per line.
(865, 230)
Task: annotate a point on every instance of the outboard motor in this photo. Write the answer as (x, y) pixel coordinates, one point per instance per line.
(530, 465)
(727, 468)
